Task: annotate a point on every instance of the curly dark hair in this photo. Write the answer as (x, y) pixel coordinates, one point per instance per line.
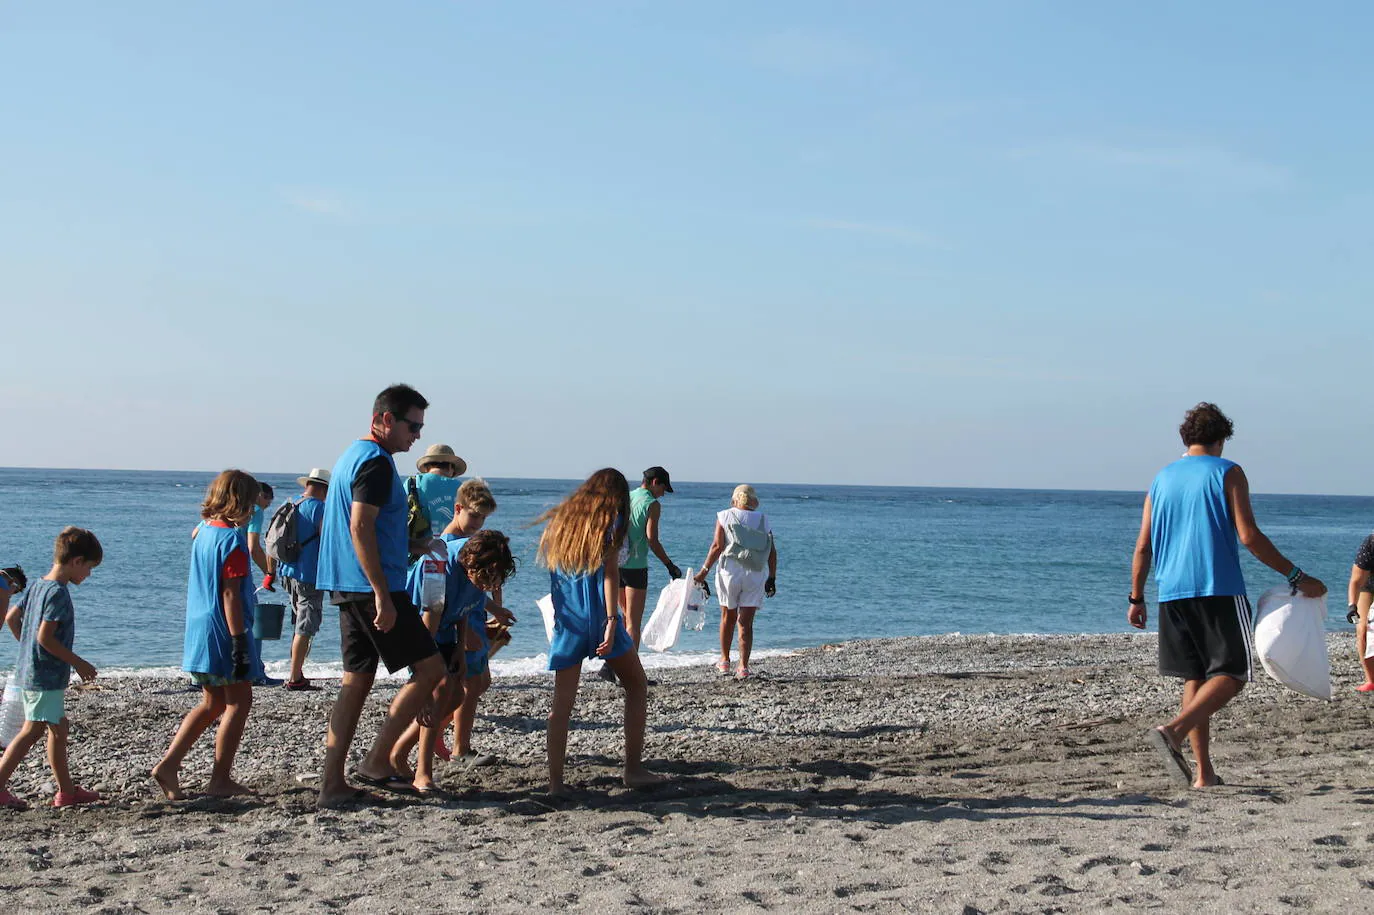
(1205, 424)
(487, 559)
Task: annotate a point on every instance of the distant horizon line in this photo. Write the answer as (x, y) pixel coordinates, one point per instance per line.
(1140, 492)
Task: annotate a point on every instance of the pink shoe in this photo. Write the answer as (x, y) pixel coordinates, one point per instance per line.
(441, 749)
(1365, 688)
(75, 796)
(741, 673)
(10, 801)
(723, 666)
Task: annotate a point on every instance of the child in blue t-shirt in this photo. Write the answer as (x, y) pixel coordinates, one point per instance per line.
(219, 651)
(472, 566)
(44, 622)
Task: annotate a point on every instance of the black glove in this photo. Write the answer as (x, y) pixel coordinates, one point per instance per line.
(770, 587)
(1353, 616)
(674, 572)
(238, 654)
(18, 581)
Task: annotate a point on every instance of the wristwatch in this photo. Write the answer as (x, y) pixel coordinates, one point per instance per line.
(1136, 600)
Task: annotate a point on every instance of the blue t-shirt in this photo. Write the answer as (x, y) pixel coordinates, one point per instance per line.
(208, 646)
(256, 522)
(461, 597)
(309, 515)
(45, 600)
(364, 473)
(436, 494)
(1192, 533)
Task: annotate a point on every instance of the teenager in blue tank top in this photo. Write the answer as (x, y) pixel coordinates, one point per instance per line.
(580, 547)
(1196, 515)
(363, 559)
(219, 650)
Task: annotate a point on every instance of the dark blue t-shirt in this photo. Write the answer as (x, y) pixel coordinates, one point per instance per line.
(37, 669)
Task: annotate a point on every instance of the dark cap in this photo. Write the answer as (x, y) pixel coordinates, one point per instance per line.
(659, 474)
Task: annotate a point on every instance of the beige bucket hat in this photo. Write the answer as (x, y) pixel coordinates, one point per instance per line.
(441, 454)
(316, 475)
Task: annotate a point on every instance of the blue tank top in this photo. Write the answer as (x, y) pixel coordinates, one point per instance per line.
(436, 493)
(1192, 533)
(339, 569)
(208, 648)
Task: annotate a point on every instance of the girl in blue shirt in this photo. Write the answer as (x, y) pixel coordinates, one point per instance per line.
(580, 547)
(219, 652)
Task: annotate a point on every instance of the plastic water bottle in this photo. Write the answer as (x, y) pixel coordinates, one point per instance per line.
(433, 583)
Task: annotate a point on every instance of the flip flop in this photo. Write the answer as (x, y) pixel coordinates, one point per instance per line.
(1171, 756)
(723, 666)
(9, 801)
(1365, 688)
(74, 797)
(386, 782)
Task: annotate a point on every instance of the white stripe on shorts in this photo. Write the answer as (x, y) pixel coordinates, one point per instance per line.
(1247, 632)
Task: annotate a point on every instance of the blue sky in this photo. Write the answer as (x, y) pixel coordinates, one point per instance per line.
(986, 243)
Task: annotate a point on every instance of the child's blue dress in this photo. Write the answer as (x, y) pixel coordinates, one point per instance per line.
(579, 619)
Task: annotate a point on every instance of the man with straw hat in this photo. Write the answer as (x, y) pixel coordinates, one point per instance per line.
(434, 488)
(307, 603)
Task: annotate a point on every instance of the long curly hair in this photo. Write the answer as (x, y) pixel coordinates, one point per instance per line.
(487, 559)
(575, 539)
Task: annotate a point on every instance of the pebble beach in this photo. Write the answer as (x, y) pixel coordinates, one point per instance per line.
(955, 774)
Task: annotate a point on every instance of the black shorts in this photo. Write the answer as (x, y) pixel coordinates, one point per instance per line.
(362, 645)
(635, 578)
(1205, 637)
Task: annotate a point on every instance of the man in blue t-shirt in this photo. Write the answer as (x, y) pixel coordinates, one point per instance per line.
(307, 604)
(256, 529)
(1197, 508)
(364, 555)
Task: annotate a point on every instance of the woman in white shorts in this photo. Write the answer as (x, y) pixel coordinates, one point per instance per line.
(748, 571)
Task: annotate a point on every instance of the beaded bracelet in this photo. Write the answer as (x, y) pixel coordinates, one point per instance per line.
(1295, 575)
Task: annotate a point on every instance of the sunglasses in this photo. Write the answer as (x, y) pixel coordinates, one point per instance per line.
(414, 426)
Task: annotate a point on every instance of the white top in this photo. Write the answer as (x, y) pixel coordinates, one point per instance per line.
(756, 520)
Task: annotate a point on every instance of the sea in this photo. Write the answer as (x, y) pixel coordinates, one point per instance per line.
(854, 562)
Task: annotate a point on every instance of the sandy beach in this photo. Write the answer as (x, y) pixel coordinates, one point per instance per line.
(944, 774)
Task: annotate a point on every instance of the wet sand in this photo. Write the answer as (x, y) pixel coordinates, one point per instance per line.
(948, 774)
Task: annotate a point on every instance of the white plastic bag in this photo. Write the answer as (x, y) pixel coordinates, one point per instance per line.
(545, 605)
(694, 616)
(660, 632)
(1290, 639)
(680, 606)
(11, 712)
(434, 579)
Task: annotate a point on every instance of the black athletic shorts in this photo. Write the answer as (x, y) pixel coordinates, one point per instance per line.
(635, 578)
(362, 645)
(1205, 637)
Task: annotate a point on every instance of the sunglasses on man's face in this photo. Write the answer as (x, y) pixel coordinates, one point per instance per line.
(414, 426)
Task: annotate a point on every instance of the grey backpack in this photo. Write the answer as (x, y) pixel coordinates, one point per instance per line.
(282, 540)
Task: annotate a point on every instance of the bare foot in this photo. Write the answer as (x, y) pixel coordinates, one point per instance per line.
(643, 778)
(227, 788)
(1208, 782)
(342, 797)
(167, 781)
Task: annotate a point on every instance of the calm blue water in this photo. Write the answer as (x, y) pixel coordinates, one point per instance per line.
(854, 562)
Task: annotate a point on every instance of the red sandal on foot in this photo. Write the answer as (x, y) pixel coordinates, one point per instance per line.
(74, 797)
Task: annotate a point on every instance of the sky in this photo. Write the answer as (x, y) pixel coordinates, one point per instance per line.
(1000, 244)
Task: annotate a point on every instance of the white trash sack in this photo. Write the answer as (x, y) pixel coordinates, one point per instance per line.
(1290, 639)
(11, 711)
(681, 601)
(545, 605)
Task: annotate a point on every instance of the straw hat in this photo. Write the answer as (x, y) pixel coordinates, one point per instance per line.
(441, 454)
(316, 475)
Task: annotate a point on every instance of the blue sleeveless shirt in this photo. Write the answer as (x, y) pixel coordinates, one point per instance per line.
(208, 648)
(1192, 533)
(338, 568)
(437, 493)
